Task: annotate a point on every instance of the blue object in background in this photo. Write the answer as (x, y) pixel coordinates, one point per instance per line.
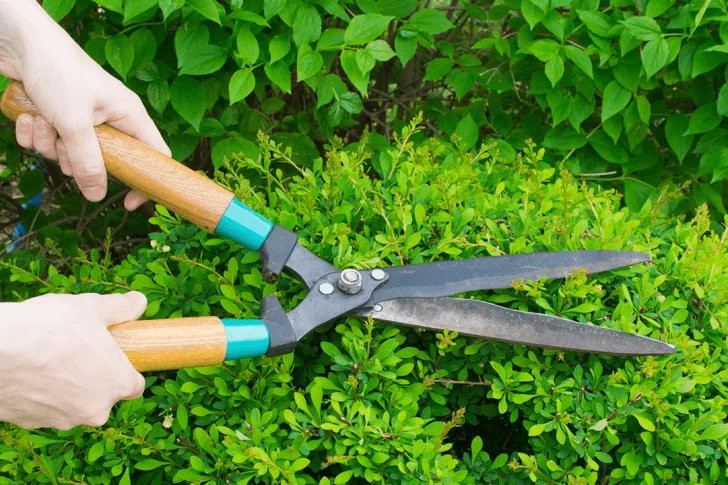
(20, 230)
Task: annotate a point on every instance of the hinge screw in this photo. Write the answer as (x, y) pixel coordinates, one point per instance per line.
(350, 281)
(326, 288)
(378, 274)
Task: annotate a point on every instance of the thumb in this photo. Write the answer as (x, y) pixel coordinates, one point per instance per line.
(120, 307)
(84, 155)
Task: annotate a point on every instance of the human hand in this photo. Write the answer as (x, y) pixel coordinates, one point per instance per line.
(59, 365)
(72, 93)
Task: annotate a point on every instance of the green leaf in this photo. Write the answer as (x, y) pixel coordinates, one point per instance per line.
(544, 50)
(136, 8)
(714, 161)
(190, 39)
(564, 137)
(722, 103)
(58, 9)
(351, 103)
(306, 26)
(430, 21)
(169, 6)
(113, 5)
(555, 70)
(96, 451)
(467, 130)
(365, 28)
(189, 99)
(705, 118)
(309, 63)
(159, 95)
(532, 13)
(234, 145)
(145, 48)
(380, 50)
(182, 417)
(536, 429)
(248, 46)
(242, 84)
(365, 60)
(438, 68)
(580, 59)
(351, 68)
(279, 46)
(655, 8)
(125, 478)
(207, 8)
(332, 84)
(273, 7)
(715, 432)
(606, 148)
(149, 463)
(596, 22)
(675, 133)
(636, 194)
(120, 54)
(644, 109)
(463, 82)
(205, 60)
(279, 74)
(248, 16)
(642, 28)
(645, 421)
(655, 55)
(405, 48)
(331, 40)
(614, 100)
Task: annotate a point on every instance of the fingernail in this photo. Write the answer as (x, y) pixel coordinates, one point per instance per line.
(94, 193)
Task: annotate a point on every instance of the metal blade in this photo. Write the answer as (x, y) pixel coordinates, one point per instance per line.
(447, 278)
(481, 319)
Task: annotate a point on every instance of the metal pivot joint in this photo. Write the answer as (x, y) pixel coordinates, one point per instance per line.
(350, 281)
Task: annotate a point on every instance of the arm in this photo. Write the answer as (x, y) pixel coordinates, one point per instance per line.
(72, 93)
(59, 365)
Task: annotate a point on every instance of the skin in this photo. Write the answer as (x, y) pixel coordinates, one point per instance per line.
(59, 365)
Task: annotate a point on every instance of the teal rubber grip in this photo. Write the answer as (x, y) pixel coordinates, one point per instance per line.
(243, 225)
(245, 338)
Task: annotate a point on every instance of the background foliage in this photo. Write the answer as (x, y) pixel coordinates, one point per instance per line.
(304, 109)
(372, 403)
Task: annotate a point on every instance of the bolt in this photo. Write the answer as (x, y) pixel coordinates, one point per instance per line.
(350, 281)
(326, 288)
(377, 307)
(378, 274)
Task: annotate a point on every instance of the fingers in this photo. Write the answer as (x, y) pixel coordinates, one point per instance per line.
(44, 138)
(137, 389)
(63, 158)
(120, 307)
(24, 130)
(134, 120)
(83, 151)
(133, 200)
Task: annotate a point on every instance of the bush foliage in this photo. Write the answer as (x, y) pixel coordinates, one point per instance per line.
(376, 403)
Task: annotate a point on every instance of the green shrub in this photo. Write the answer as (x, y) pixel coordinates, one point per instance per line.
(361, 402)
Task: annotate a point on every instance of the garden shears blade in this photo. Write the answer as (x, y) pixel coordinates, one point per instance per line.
(415, 295)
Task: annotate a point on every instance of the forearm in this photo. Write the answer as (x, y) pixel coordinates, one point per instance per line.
(24, 27)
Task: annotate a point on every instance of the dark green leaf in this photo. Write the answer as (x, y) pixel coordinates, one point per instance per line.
(613, 127)
(189, 99)
(722, 104)
(405, 48)
(467, 130)
(643, 28)
(120, 54)
(58, 9)
(113, 5)
(463, 82)
(279, 74)
(606, 148)
(145, 48)
(309, 63)
(430, 21)
(614, 100)
(437, 69)
(705, 118)
(332, 84)
(714, 161)
(158, 94)
(358, 79)
(564, 137)
(351, 103)
(169, 6)
(636, 194)
(205, 60)
(596, 22)
(555, 70)
(655, 8)
(190, 39)
(248, 16)
(675, 133)
(229, 146)
(365, 28)
(138, 7)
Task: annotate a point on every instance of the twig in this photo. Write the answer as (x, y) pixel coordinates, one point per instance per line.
(465, 383)
(103, 207)
(600, 174)
(54, 223)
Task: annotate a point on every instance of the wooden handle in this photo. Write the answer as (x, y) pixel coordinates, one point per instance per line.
(177, 343)
(167, 182)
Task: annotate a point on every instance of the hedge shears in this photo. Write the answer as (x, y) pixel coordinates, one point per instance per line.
(417, 295)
